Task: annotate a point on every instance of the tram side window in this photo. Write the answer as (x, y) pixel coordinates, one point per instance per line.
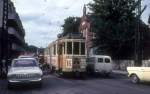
(69, 47)
(82, 48)
(64, 47)
(76, 48)
(60, 49)
(50, 51)
(54, 52)
(47, 51)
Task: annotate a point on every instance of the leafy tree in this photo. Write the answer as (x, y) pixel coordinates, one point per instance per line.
(71, 25)
(115, 23)
(31, 48)
(149, 20)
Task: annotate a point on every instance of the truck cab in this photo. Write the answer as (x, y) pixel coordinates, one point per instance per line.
(139, 74)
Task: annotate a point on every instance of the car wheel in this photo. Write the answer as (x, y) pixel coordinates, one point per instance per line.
(9, 85)
(134, 79)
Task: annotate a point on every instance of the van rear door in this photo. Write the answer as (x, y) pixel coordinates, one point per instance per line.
(108, 64)
(99, 64)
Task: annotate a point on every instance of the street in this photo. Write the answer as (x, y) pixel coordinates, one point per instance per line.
(52, 84)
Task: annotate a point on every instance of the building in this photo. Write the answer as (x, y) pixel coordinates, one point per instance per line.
(85, 29)
(12, 33)
(16, 31)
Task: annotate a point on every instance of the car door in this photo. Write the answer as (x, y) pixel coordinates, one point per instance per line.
(146, 73)
(139, 71)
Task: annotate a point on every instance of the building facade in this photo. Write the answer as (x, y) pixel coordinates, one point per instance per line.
(85, 29)
(11, 34)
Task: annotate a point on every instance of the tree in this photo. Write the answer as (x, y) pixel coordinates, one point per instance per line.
(31, 48)
(115, 23)
(149, 20)
(71, 25)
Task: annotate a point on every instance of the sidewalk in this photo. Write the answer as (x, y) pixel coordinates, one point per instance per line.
(120, 72)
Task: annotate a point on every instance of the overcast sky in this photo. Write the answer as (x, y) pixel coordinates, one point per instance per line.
(42, 19)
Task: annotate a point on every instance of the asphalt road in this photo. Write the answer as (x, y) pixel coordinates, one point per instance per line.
(92, 85)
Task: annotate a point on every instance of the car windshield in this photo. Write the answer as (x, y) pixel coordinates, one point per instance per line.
(24, 63)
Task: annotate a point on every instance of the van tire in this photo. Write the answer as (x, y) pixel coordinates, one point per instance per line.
(107, 74)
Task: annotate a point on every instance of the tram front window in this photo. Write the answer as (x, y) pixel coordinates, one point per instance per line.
(82, 48)
(76, 48)
(69, 47)
(54, 52)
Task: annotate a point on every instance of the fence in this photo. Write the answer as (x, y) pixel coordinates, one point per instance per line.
(123, 64)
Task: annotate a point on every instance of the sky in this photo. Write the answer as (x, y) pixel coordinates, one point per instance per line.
(42, 19)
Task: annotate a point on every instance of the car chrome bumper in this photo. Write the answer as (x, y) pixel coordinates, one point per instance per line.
(24, 80)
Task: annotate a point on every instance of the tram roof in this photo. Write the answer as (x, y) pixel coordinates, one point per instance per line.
(67, 40)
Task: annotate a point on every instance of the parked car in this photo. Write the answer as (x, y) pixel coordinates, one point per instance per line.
(139, 74)
(99, 64)
(28, 56)
(24, 70)
(25, 56)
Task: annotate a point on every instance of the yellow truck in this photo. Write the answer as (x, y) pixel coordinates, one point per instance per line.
(139, 74)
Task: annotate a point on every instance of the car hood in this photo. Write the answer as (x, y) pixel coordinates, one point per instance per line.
(25, 70)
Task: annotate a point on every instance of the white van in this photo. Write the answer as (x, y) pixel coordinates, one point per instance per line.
(99, 64)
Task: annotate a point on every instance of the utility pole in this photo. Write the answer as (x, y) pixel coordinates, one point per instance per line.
(4, 40)
(138, 39)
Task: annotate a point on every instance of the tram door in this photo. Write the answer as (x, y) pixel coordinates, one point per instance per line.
(60, 56)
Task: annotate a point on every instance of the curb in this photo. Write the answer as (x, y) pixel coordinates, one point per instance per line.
(124, 73)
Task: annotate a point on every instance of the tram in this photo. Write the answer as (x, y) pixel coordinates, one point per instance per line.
(67, 55)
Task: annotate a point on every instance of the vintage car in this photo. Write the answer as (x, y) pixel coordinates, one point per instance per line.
(139, 74)
(24, 70)
(25, 56)
(28, 56)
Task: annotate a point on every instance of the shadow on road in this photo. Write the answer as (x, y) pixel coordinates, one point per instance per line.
(25, 87)
(89, 77)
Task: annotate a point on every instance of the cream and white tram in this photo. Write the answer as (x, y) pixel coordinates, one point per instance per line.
(67, 55)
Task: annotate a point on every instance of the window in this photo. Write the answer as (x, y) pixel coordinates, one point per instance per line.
(60, 49)
(100, 60)
(24, 63)
(54, 52)
(76, 48)
(107, 60)
(47, 51)
(82, 48)
(69, 47)
(64, 46)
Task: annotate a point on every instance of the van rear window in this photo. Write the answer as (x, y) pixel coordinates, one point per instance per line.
(107, 60)
(100, 60)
